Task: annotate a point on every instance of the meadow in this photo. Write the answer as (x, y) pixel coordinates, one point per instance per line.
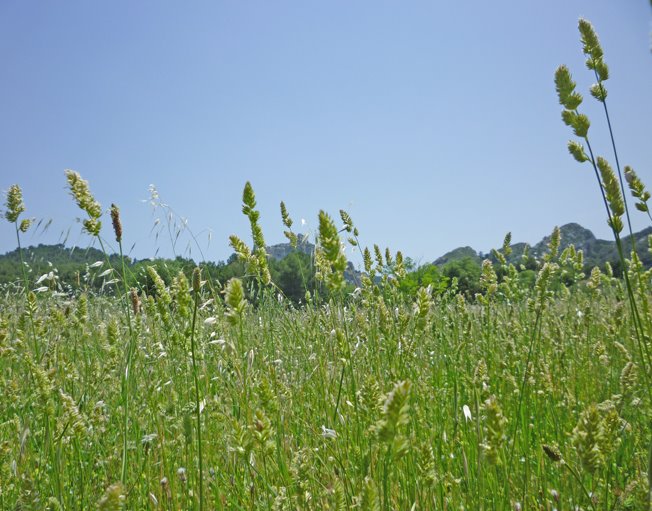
(198, 394)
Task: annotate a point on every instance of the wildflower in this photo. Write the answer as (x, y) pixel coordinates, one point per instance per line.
(328, 433)
(467, 413)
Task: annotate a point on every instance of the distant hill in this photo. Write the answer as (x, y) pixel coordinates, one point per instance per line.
(71, 262)
(282, 250)
(458, 253)
(571, 233)
(596, 251)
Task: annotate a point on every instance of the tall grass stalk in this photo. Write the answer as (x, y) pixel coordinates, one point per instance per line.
(196, 287)
(131, 346)
(613, 196)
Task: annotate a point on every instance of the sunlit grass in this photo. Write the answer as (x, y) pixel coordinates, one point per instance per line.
(198, 394)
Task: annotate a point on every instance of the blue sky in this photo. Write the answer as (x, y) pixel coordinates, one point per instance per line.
(434, 124)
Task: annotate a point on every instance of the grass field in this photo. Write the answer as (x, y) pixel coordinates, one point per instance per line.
(372, 401)
(209, 395)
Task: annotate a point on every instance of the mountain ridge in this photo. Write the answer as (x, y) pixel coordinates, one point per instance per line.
(596, 251)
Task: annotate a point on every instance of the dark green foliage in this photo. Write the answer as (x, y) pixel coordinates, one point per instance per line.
(294, 274)
(424, 276)
(467, 272)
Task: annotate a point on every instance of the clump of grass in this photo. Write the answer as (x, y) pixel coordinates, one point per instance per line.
(255, 259)
(611, 185)
(329, 256)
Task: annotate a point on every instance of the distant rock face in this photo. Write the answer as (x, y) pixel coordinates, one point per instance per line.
(282, 250)
(571, 234)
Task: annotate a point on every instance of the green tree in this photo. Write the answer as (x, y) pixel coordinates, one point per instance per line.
(424, 276)
(467, 272)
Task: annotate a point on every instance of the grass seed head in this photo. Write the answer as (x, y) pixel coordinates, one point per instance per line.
(553, 452)
(14, 203)
(637, 189)
(287, 221)
(591, 47)
(135, 301)
(329, 255)
(117, 224)
(494, 430)
(236, 303)
(24, 225)
(613, 193)
(81, 193)
(587, 439)
(577, 151)
(196, 279)
(568, 97)
(113, 498)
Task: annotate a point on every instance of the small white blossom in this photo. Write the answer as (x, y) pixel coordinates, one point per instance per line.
(467, 413)
(328, 433)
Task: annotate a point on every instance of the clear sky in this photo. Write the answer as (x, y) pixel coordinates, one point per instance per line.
(434, 124)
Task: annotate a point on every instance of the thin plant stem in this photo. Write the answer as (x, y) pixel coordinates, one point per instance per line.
(613, 145)
(197, 401)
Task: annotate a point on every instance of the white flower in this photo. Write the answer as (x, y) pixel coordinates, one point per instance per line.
(328, 433)
(467, 412)
(210, 321)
